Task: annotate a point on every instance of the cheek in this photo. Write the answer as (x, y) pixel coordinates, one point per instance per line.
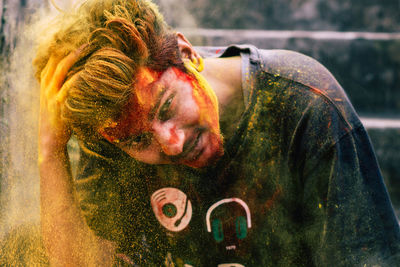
(206, 100)
(199, 101)
(207, 109)
(189, 110)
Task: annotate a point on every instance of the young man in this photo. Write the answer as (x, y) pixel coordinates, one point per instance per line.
(256, 160)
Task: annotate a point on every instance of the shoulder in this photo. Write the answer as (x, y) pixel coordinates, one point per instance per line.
(298, 67)
(315, 78)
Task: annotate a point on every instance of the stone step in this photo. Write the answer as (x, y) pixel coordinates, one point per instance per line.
(381, 123)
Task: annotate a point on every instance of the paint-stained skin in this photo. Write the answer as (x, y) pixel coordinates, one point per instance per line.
(171, 118)
(174, 137)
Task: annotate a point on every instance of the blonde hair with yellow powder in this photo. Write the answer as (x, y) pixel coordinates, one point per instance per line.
(121, 36)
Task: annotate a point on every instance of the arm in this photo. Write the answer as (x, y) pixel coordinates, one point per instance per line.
(349, 217)
(67, 238)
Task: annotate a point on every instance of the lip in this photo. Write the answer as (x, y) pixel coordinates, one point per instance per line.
(190, 147)
(190, 152)
(196, 150)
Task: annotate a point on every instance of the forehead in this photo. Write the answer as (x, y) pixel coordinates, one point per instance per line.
(147, 86)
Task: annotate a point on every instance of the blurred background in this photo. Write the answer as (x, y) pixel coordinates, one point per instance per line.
(357, 40)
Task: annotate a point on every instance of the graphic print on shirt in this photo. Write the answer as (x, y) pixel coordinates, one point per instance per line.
(229, 221)
(172, 208)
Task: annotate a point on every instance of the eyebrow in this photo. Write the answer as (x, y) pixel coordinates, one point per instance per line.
(153, 111)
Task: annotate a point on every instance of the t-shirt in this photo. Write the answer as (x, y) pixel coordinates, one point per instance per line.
(298, 184)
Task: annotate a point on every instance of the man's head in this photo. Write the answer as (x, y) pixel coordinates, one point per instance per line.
(129, 52)
(170, 118)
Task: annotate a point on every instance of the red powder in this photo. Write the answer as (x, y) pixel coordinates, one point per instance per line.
(133, 114)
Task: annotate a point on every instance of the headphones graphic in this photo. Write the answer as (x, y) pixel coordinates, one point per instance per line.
(241, 223)
(172, 208)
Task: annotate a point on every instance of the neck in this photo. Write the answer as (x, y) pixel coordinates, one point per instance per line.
(225, 78)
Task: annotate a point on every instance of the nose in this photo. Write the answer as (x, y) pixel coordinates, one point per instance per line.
(170, 137)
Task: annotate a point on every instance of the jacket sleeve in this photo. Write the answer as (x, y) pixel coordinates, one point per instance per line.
(348, 217)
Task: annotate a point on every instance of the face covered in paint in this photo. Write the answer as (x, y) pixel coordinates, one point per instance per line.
(172, 118)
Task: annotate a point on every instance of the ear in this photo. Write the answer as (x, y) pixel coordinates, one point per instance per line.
(186, 49)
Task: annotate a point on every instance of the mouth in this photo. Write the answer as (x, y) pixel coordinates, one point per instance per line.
(189, 148)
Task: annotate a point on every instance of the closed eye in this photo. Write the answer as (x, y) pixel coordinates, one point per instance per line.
(165, 112)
